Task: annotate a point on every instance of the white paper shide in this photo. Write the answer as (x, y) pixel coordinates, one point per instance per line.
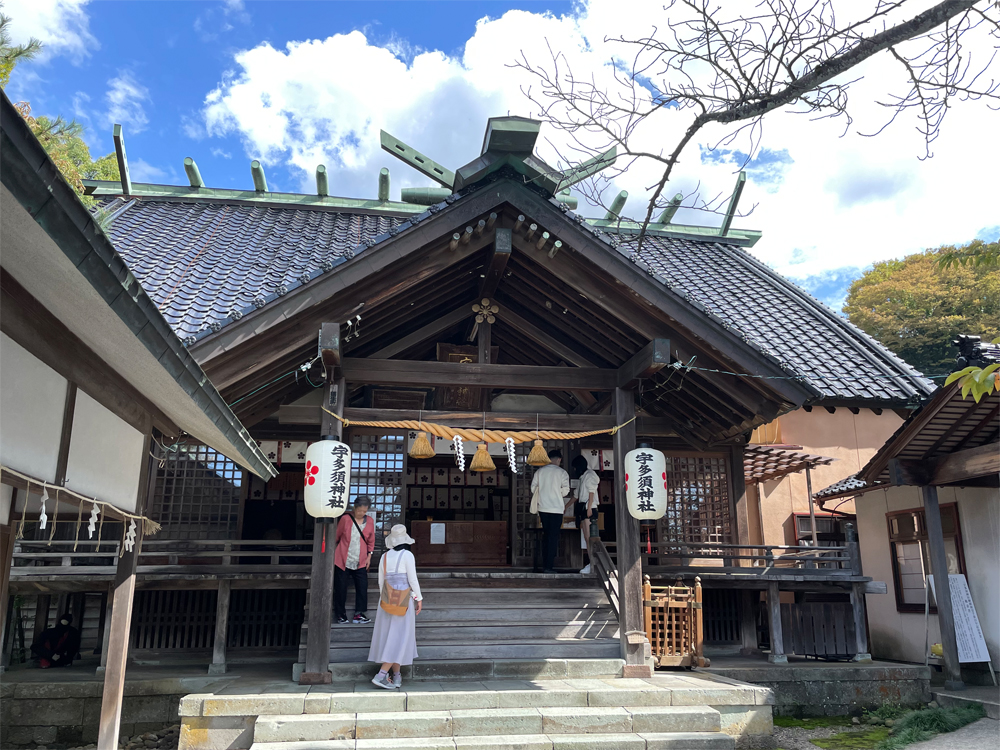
(328, 479)
(646, 483)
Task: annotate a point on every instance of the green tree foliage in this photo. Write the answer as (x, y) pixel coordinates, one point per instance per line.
(12, 54)
(918, 305)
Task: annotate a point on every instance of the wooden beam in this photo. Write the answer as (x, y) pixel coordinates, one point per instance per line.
(8, 538)
(860, 622)
(942, 588)
(320, 594)
(329, 345)
(555, 345)
(527, 377)
(218, 665)
(508, 420)
(424, 333)
(971, 463)
(741, 511)
(497, 264)
(777, 655)
(648, 361)
(62, 458)
(33, 327)
(122, 595)
(630, 606)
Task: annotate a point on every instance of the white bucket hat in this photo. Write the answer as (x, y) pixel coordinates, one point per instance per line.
(398, 535)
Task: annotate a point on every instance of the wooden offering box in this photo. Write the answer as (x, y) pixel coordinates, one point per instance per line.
(467, 544)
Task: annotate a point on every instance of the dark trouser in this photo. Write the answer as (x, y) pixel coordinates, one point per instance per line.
(340, 582)
(551, 523)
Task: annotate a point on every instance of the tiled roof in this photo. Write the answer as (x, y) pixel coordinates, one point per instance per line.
(845, 486)
(206, 264)
(798, 331)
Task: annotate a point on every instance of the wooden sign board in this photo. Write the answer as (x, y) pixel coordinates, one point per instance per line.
(968, 631)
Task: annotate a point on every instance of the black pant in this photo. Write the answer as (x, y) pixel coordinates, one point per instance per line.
(551, 523)
(340, 582)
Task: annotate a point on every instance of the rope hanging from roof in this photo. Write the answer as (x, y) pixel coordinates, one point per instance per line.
(483, 435)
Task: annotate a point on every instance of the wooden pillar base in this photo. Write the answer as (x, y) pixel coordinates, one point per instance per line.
(316, 678)
(640, 671)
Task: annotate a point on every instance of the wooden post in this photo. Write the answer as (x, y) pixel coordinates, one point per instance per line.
(812, 507)
(860, 622)
(699, 626)
(105, 629)
(741, 510)
(777, 655)
(647, 611)
(116, 653)
(218, 665)
(748, 622)
(320, 595)
(942, 589)
(485, 342)
(629, 561)
(7, 541)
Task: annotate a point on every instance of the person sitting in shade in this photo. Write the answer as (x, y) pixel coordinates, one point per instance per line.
(552, 485)
(355, 544)
(57, 646)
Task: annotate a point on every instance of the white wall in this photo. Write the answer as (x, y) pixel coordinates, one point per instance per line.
(900, 635)
(32, 400)
(105, 455)
(6, 492)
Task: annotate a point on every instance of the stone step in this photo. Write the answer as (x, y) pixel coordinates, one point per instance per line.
(487, 722)
(510, 613)
(645, 741)
(427, 669)
(553, 648)
(429, 632)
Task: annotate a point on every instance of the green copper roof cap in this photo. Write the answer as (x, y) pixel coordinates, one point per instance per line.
(515, 135)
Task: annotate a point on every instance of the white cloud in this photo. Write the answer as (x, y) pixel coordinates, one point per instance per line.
(62, 26)
(221, 154)
(125, 98)
(825, 200)
(216, 21)
(143, 171)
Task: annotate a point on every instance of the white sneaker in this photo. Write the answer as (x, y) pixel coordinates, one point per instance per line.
(586, 570)
(383, 682)
(397, 680)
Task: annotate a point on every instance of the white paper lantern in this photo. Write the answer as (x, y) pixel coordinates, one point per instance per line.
(328, 479)
(646, 483)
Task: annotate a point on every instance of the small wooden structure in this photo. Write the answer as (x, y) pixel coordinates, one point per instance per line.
(674, 625)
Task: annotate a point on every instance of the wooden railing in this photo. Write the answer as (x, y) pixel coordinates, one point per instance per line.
(674, 557)
(39, 557)
(605, 569)
(674, 624)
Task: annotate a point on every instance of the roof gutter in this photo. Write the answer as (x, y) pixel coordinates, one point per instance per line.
(36, 183)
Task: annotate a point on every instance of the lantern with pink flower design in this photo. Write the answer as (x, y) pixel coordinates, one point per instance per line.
(327, 479)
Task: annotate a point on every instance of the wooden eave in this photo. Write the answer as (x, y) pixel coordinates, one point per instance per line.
(602, 306)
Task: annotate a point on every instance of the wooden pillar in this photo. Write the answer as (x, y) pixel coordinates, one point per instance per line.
(749, 601)
(777, 655)
(630, 619)
(860, 622)
(106, 629)
(115, 657)
(485, 342)
(741, 508)
(218, 665)
(942, 589)
(7, 541)
(317, 663)
(42, 604)
(812, 507)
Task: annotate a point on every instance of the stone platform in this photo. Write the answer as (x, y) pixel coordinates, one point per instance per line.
(810, 687)
(670, 710)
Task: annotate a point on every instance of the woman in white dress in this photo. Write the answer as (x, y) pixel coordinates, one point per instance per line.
(394, 638)
(587, 496)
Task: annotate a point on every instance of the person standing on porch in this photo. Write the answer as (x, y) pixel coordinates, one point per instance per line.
(585, 509)
(552, 485)
(355, 544)
(394, 639)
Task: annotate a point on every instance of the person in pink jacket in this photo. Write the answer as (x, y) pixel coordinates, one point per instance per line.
(355, 544)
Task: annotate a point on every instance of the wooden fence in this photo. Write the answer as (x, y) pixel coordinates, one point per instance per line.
(674, 624)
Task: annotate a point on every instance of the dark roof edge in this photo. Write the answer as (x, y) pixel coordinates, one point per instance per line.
(36, 182)
(876, 353)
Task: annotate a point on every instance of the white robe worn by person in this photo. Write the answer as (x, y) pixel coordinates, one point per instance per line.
(394, 638)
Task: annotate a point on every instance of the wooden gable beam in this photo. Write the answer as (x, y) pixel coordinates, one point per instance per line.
(497, 264)
(525, 377)
(424, 333)
(329, 345)
(648, 361)
(968, 464)
(557, 346)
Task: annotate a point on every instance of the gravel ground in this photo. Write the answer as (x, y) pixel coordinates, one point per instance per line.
(797, 738)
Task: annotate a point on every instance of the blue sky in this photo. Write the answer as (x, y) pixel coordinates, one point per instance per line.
(297, 84)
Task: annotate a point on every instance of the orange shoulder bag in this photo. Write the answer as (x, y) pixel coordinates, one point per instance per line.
(394, 601)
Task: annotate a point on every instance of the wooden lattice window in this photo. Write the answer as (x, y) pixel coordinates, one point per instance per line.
(698, 502)
(524, 549)
(377, 470)
(196, 494)
(266, 618)
(173, 620)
